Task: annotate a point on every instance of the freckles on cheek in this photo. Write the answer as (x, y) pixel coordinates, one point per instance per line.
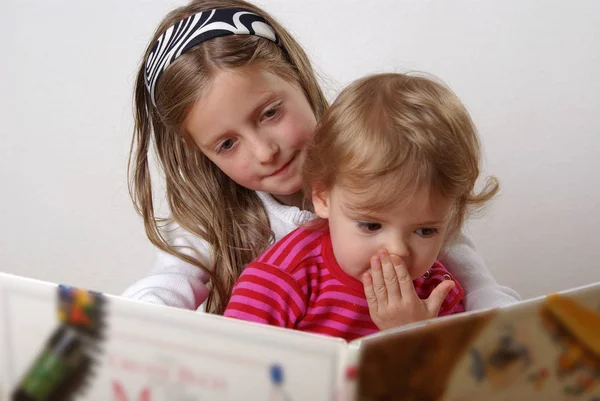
(233, 170)
(298, 134)
(245, 171)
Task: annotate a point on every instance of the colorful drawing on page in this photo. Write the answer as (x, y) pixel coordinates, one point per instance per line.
(538, 378)
(61, 358)
(347, 389)
(502, 362)
(80, 308)
(277, 378)
(61, 370)
(576, 331)
(351, 373)
(119, 393)
(417, 365)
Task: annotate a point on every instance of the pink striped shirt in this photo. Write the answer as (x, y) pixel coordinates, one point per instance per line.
(298, 284)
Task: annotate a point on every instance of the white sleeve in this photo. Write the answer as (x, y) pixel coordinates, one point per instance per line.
(172, 281)
(481, 289)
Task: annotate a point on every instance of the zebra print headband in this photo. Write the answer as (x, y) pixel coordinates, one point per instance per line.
(197, 28)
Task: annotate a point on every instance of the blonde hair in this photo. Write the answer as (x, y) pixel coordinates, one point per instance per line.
(388, 135)
(202, 199)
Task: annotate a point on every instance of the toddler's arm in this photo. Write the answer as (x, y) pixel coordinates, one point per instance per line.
(267, 294)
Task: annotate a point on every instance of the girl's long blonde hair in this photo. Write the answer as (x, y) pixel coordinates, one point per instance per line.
(388, 135)
(201, 198)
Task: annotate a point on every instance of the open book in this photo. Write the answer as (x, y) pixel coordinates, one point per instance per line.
(62, 343)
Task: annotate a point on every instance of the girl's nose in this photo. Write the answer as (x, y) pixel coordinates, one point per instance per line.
(265, 150)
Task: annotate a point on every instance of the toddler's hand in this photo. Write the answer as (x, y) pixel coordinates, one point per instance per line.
(391, 294)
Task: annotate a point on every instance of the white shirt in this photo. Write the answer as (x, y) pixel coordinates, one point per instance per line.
(174, 282)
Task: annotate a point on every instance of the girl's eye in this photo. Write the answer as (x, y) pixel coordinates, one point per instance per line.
(368, 226)
(226, 145)
(270, 113)
(426, 232)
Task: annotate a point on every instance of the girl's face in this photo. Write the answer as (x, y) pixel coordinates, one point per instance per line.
(254, 126)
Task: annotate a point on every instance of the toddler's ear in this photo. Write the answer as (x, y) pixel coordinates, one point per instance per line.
(320, 200)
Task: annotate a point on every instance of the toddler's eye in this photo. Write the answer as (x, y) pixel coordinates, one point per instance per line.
(426, 232)
(368, 226)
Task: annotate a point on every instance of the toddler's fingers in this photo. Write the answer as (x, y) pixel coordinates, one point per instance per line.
(378, 281)
(389, 276)
(437, 296)
(370, 292)
(407, 288)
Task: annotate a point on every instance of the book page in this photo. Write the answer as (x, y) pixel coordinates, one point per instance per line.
(154, 353)
(545, 348)
(27, 318)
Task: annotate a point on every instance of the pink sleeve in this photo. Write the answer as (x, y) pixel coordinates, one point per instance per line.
(266, 294)
(454, 301)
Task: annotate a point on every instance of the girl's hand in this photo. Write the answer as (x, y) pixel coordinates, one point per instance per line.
(391, 295)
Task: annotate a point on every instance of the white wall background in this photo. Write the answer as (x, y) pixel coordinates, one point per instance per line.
(527, 70)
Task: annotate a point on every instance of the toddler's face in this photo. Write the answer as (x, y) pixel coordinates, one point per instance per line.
(413, 229)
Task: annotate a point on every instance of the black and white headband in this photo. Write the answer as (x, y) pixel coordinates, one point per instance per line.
(197, 28)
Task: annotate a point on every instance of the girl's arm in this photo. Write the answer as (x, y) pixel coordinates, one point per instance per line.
(172, 281)
(481, 289)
